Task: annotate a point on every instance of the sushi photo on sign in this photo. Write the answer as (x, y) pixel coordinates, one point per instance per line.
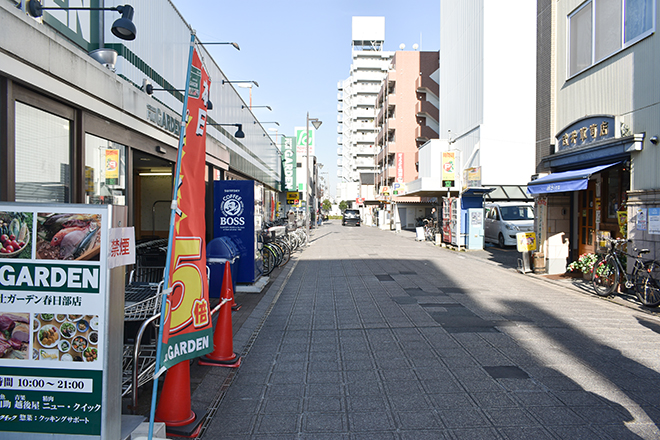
(68, 236)
(15, 234)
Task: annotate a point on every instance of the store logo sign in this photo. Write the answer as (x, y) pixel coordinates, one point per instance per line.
(231, 209)
(163, 120)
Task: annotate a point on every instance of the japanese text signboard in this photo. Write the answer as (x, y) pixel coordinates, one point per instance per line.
(53, 319)
(585, 131)
(187, 330)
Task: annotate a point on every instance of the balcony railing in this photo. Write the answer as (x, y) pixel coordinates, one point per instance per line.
(424, 83)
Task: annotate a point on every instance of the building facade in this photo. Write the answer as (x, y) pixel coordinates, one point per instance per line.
(407, 117)
(65, 110)
(357, 104)
(487, 85)
(597, 128)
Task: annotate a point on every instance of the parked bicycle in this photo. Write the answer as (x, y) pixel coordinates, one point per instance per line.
(430, 229)
(277, 242)
(644, 278)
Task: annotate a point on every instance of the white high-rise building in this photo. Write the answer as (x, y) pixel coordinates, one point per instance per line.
(357, 105)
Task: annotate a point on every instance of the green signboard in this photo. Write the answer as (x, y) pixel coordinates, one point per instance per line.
(51, 400)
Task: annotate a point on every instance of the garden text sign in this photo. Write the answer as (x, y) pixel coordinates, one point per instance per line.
(53, 286)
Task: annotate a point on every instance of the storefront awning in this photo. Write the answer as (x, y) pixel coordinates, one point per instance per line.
(574, 180)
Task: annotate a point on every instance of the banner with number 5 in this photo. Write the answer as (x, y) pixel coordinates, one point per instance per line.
(188, 331)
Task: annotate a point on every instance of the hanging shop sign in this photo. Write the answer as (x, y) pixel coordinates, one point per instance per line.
(448, 169)
(301, 141)
(289, 164)
(58, 357)
(585, 131)
(399, 167)
(472, 178)
(292, 197)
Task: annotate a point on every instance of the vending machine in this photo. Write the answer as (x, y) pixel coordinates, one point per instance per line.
(238, 214)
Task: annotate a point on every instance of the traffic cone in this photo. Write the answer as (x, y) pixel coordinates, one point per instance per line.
(174, 407)
(223, 347)
(230, 285)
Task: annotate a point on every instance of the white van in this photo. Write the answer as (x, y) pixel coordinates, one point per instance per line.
(502, 221)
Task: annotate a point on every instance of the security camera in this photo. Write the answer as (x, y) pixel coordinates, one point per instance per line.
(654, 140)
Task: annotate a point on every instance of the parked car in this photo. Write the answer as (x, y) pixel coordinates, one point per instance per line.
(502, 221)
(351, 216)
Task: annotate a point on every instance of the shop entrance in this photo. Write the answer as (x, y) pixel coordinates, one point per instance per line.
(587, 219)
(152, 194)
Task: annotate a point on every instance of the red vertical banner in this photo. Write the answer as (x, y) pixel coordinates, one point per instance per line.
(188, 331)
(399, 167)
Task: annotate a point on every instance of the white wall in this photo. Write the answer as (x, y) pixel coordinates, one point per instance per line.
(508, 133)
(487, 85)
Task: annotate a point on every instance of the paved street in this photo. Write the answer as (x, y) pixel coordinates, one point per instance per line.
(369, 334)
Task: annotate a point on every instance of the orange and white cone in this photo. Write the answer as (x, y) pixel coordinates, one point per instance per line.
(174, 407)
(223, 346)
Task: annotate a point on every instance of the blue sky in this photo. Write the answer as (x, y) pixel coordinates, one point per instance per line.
(298, 50)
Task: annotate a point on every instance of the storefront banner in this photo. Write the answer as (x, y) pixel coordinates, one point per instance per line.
(53, 289)
(399, 167)
(111, 167)
(187, 328)
(448, 166)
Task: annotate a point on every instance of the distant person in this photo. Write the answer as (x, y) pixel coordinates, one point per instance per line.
(291, 217)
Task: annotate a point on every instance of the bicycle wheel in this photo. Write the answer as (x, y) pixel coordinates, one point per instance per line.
(287, 251)
(268, 260)
(647, 284)
(279, 252)
(606, 276)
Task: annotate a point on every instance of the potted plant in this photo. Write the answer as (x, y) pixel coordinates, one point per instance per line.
(584, 263)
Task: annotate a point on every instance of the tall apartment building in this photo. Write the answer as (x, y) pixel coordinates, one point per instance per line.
(357, 104)
(407, 117)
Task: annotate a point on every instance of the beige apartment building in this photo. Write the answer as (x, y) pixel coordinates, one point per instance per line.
(406, 118)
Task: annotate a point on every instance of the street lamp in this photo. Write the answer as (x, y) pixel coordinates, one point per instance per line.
(231, 43)
(239, 132)
(149, 90)
(243, 84)
(316, 123)
(256, 106)
(122, 28)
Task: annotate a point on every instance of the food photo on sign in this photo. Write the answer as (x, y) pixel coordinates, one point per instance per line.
(68, 236)
(65, 337)
(14, 335)
(15, 234)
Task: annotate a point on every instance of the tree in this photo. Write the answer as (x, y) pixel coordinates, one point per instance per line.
(343, 205)
(326, 205)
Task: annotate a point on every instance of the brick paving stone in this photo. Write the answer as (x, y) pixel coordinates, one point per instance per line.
(370, 334)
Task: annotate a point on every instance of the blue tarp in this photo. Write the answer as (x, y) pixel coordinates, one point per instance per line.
(574, 180)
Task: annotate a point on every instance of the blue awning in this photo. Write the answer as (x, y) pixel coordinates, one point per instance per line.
(574, 180)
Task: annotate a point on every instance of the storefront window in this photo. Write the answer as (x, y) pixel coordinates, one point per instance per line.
(105, 171)
(613, 194)
(43, 156)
